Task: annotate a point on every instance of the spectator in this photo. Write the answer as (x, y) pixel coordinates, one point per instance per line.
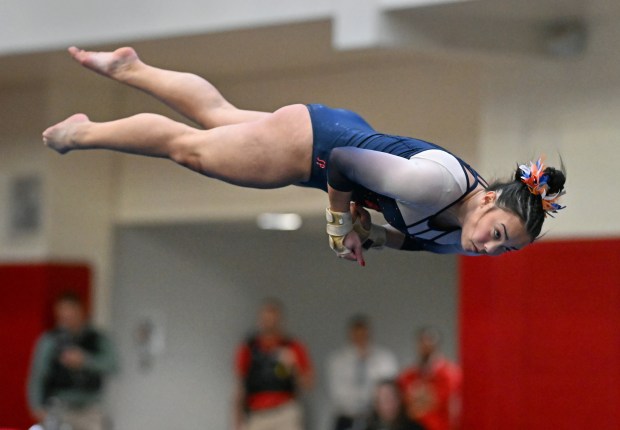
(272, 371)
(430, 387)
(69, 368)
(388, 412)
(354, 371)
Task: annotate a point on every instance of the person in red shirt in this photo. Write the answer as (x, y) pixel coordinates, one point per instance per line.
(272, 370)
(430, 387)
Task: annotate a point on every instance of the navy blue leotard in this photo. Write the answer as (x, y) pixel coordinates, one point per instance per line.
(408, 180)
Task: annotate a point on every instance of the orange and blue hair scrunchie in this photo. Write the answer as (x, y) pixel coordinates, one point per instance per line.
(536, 180)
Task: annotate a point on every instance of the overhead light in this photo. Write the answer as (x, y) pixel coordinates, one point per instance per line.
(279, 221)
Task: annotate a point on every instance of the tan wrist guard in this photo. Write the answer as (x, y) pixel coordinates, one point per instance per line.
(373, 238)
(339, 224)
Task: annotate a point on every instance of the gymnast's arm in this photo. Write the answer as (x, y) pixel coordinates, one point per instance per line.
(417, 181)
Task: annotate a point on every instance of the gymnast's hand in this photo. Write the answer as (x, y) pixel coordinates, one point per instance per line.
(345, 242)
(73, 358)
(353, 242)
(358, 212)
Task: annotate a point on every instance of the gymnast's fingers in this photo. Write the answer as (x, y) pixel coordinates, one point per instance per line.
(352, 241)
(359, 212)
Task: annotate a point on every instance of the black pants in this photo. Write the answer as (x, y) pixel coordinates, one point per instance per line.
(413, 425)
(349, 423)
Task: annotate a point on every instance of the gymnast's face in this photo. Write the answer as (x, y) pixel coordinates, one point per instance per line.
(491, 230)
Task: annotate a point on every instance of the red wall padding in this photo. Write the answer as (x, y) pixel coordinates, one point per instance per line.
(27, 293)
(540, 337)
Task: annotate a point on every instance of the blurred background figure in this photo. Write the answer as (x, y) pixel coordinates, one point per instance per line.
(430, 387)
(353, 373)
(273, 369)
(388, 411)
(70, 365)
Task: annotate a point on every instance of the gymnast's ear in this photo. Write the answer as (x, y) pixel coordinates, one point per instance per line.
(489, 198)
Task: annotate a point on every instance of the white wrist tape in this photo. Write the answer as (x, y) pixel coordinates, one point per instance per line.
(339, 224)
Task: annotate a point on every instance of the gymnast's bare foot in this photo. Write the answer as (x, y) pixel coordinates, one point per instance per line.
(61, 137)
(111, 64)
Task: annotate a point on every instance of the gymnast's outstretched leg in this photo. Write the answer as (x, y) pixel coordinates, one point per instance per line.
(271, 152)
(188, 94)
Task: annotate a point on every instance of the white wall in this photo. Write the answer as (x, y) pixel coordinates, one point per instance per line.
(20, 156)
(565, 106)
(32, 25)
(205, 283)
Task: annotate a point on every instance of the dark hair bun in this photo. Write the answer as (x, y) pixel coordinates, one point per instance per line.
(556, 180)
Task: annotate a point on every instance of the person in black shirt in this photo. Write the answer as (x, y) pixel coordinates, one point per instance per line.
(69, 368)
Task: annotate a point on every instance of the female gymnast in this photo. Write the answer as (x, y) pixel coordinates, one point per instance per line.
(431, 199)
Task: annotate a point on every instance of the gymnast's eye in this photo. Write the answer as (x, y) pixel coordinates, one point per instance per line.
(496, 234)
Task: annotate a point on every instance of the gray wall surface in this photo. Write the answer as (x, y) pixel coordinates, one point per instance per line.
(203, 284)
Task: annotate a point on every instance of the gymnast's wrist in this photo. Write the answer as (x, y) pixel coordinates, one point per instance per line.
(339, 224)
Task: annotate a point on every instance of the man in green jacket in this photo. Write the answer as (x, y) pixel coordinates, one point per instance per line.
(69, 368)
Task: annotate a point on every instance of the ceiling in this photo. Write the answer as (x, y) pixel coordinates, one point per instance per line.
(528, 10)
(488, 26)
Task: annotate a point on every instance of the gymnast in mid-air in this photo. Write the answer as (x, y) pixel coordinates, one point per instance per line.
(431, 199)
